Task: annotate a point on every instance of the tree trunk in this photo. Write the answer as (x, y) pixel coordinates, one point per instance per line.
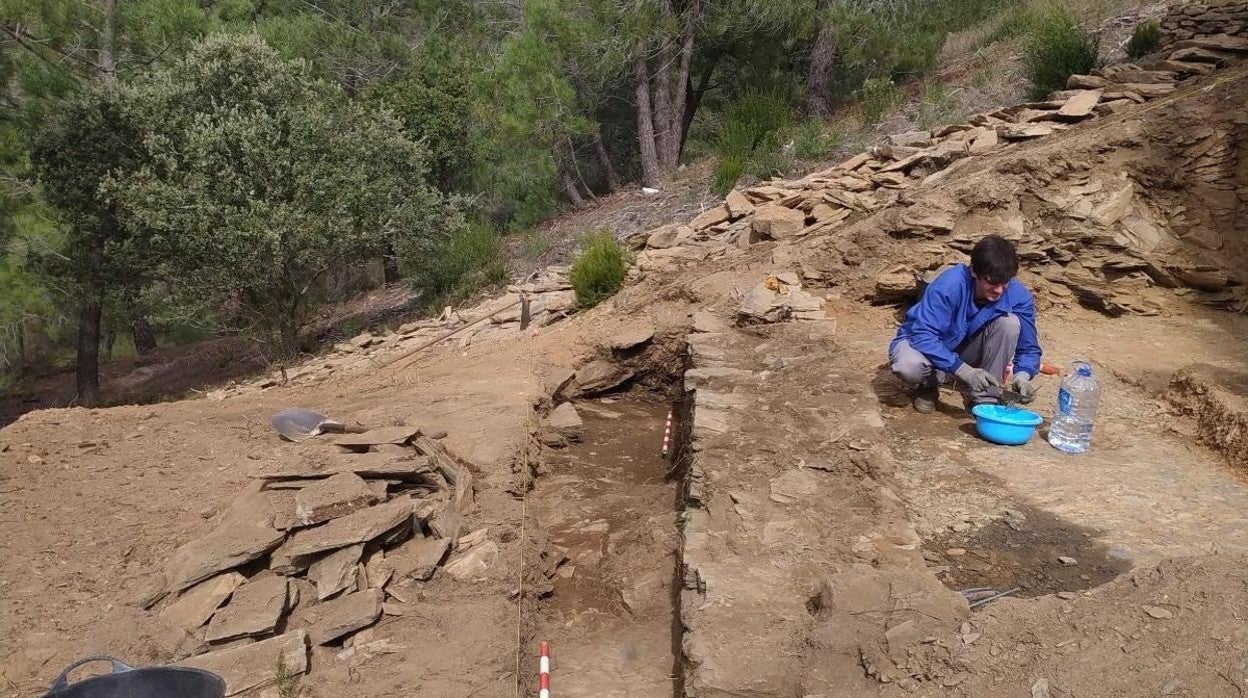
(105, 61)
(569, 187)
(110, 338)
(144, 336)
(576, 165)
(679, 125)
(613, 180)
(390, 265)
(88, 365)
(645, 126)
(565, 176)
(661, 86)
(695, 97)
(819, 79)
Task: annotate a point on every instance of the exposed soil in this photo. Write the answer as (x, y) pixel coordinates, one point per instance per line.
(610, 502)
(787, 557)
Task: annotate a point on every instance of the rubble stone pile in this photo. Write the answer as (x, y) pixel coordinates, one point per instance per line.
(1190, 20)
(329, 539)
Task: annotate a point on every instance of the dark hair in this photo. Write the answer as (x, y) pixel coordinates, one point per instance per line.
(994, 259)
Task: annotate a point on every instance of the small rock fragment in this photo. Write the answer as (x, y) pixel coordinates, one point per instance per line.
(1157, 612)
(1067, 561)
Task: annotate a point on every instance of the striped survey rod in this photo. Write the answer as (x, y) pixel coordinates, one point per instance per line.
(543, 678)
(667, 433)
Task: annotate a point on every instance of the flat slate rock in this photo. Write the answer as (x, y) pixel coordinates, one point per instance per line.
(357, 527)
(253, 665)
(336, 571)
(335, 496)
(384, 435)
(197, 604)
(345, 615)
(388, 465)
(473, 564)
(417, 558)
(628, 339)
(565, 420)
(224, 548)
(254, 609)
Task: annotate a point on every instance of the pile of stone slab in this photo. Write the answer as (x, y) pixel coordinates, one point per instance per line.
(1189, 20)
(1108, 227)
(331, 537)
(778, 298)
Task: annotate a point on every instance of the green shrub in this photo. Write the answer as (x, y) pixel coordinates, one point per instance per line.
(729, 170)
(811, 140)
(598, 270)
(1144, 38)
(1056, 47)
(877, 97)
(748, 136)
(935, 106)
(467, 260)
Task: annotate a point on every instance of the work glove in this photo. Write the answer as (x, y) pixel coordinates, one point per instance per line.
(977, 379)
(1021, 384)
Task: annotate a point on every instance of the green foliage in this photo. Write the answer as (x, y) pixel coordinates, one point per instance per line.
(87, 140)
(748, 137)
(935, 105)
(901, 39)
(727, 172)
(464, 261)
(877, 97)
(812, 140)
(287, 681)
(1056, 47)
(432, 100)
(1144, 38)
(262, 179)
(598, 271)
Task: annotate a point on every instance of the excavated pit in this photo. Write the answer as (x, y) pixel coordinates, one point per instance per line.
(606, 504)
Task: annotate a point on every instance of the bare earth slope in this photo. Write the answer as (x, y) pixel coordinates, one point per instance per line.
(810, 534)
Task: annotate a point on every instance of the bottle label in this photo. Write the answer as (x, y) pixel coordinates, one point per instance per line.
(1063, 401)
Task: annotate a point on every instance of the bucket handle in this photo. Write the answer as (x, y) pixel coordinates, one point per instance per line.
(119, 666)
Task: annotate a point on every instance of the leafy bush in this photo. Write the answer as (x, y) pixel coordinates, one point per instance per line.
(466, 260)
(1144, 38)
(878, 96)
(1056, 47)
(749, 136)
(812, 141)
(729, 170)
(935, 105)
(599, 270)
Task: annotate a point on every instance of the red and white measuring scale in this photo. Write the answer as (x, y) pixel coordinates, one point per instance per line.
(543, 677)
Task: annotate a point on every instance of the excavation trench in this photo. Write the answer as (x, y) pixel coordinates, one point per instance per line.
(606, 505)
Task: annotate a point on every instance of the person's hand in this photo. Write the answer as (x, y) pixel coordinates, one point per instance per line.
(1021, 384)
(977, 379)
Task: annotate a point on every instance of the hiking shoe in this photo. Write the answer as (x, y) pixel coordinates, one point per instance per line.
(925, 399)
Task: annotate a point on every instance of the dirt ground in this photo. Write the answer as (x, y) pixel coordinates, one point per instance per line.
(811, 534)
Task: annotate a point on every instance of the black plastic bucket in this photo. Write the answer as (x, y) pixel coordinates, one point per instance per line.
(126, 681)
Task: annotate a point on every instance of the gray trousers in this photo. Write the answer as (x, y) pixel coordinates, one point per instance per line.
(992, 349)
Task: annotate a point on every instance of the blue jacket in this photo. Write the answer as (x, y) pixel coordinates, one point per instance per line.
(947, 315)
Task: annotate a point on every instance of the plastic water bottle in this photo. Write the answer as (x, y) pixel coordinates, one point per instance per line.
(1077, 400)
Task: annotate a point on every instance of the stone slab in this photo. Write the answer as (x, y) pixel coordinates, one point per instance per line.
(255, 665)
(224, 548)
(345, 615)
(335, 496)
(418, 558)
(357, 527)
(404, 467)
(336, 571)
(384, 435)
(197, 604)
(254, 609)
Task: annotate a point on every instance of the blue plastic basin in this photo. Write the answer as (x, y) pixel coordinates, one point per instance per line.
(1001, 424)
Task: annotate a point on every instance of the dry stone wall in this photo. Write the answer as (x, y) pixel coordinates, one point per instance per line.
(1190, 20)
